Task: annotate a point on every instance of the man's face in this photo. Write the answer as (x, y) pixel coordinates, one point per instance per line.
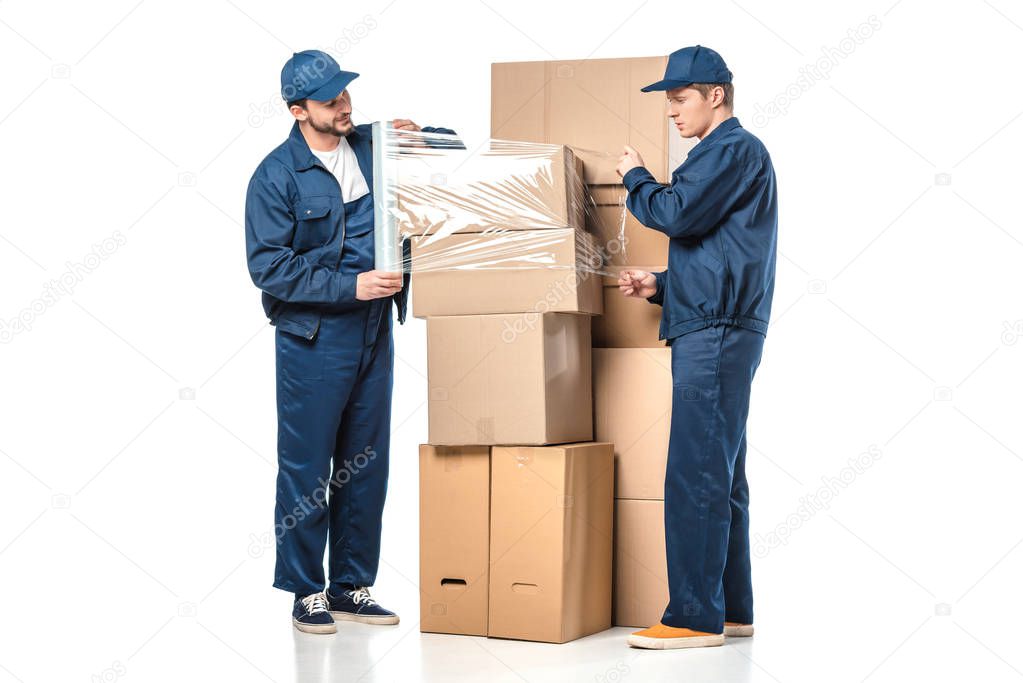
(333, 116)
(690, 110)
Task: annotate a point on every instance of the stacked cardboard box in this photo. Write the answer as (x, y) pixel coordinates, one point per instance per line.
(639, 429)
(596, 106)
(516, 501)
(516, 541)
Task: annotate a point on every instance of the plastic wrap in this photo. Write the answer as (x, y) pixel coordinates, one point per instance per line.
(496, 205)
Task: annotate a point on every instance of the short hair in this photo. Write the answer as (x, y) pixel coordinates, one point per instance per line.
(301, 103)
(705, 88)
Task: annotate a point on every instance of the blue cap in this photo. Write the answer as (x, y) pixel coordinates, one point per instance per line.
(690, 65)
(315, 75)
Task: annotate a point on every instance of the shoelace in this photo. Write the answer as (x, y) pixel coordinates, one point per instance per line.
(361, 595)
(315, 603)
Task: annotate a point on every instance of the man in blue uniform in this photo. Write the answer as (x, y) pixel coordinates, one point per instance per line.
(720, 212)
(309, 241)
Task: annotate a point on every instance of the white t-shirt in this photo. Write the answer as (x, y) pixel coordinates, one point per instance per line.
(345, 167)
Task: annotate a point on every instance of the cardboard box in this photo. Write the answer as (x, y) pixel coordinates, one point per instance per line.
(594, 105)
(454, 539)
(551, 541)
(622, 239)
(627, 322)
(509, 379)
(639, 429)
(508, 186)
(507, 272)
(641, 570)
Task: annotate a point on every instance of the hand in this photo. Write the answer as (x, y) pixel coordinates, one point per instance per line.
(377, 284)
(629, 160)
(637, 283)
(405, 124)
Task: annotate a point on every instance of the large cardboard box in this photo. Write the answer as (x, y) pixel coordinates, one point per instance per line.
(454, 539)
(639, 429)
(506, 272)
(622, 238)
(627, 322)
(551, 541)
(508, 186)
(594, 105)
(641, 571)
(509, 379)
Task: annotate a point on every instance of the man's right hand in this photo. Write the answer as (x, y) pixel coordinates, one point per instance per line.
(637, 283)
(377, 284)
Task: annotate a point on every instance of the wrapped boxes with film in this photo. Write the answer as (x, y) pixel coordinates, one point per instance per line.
(531, 270)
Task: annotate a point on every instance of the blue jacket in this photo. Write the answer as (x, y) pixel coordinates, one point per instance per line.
(721, 213)
(295, 231)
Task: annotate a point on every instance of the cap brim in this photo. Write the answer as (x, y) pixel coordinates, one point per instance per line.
(665, 85)
(333, 87)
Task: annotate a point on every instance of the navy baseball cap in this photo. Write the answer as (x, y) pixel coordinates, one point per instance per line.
(690, 65)
(315, 75)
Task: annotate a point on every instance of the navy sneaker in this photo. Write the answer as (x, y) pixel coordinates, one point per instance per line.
(357, 605)
(311, 615)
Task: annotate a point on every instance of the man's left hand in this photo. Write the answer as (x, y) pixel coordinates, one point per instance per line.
(629, 160)
(405, 124)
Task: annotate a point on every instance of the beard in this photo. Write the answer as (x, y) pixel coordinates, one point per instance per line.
(332, 127)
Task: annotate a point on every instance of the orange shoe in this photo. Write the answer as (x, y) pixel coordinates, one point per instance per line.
(736, 630)
(661, 637)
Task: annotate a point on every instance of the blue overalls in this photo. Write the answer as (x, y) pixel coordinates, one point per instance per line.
(335, 360)
(720, 211)
(334, 415)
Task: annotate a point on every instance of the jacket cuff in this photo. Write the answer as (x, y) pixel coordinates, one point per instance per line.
(346, 288)
(658, 296)
(635, 176)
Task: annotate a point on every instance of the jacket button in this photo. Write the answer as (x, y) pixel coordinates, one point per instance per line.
(308, 211)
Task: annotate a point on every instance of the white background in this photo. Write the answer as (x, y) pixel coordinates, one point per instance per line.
(134, 537)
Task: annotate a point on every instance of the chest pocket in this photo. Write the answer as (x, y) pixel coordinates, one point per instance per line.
(314, 225)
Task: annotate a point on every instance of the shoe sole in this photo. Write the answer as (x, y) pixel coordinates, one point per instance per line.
(314, 628)
(380, 621)
(648, 643)
(743, 631)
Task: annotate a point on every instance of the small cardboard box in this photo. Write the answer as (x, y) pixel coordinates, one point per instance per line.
(638, 429)
(551, 541)
(454, 539)
(627, 322)
(506, 272)
(641, 571)
(509, 379)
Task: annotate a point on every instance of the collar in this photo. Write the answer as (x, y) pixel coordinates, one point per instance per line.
(301, 156)
(731, 123)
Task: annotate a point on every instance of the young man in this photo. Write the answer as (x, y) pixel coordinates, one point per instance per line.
(720, 211)
(309, 241)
